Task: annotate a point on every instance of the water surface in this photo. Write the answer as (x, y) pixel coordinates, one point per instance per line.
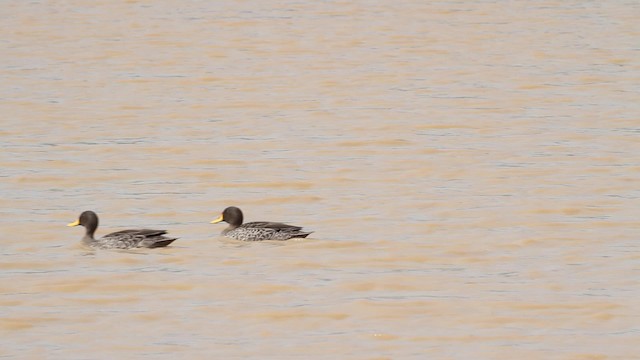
(470, 170)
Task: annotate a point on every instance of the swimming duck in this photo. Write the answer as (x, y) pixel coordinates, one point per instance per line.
(125, 239)
(258, 230)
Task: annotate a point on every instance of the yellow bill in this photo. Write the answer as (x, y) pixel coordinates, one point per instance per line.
(75, 223)
(214, 221)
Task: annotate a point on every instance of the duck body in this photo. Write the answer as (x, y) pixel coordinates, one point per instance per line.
(128, 239)
(257, 230)
(125, 239)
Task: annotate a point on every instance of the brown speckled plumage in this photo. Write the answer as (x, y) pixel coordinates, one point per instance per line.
(125, 239)
(258, 230)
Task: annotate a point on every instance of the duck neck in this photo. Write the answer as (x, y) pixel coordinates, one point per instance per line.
(88, 240)
(88, 236)
(229, 228)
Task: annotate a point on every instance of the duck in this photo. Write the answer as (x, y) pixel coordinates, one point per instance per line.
(125, 239)
(258, 230)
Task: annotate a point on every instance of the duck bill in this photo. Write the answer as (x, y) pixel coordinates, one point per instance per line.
(75, 223)
(217, 220)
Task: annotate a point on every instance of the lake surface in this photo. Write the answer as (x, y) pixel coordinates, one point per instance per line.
(470, 170)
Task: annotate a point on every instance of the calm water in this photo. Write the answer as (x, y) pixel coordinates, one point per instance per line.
(470, 170)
